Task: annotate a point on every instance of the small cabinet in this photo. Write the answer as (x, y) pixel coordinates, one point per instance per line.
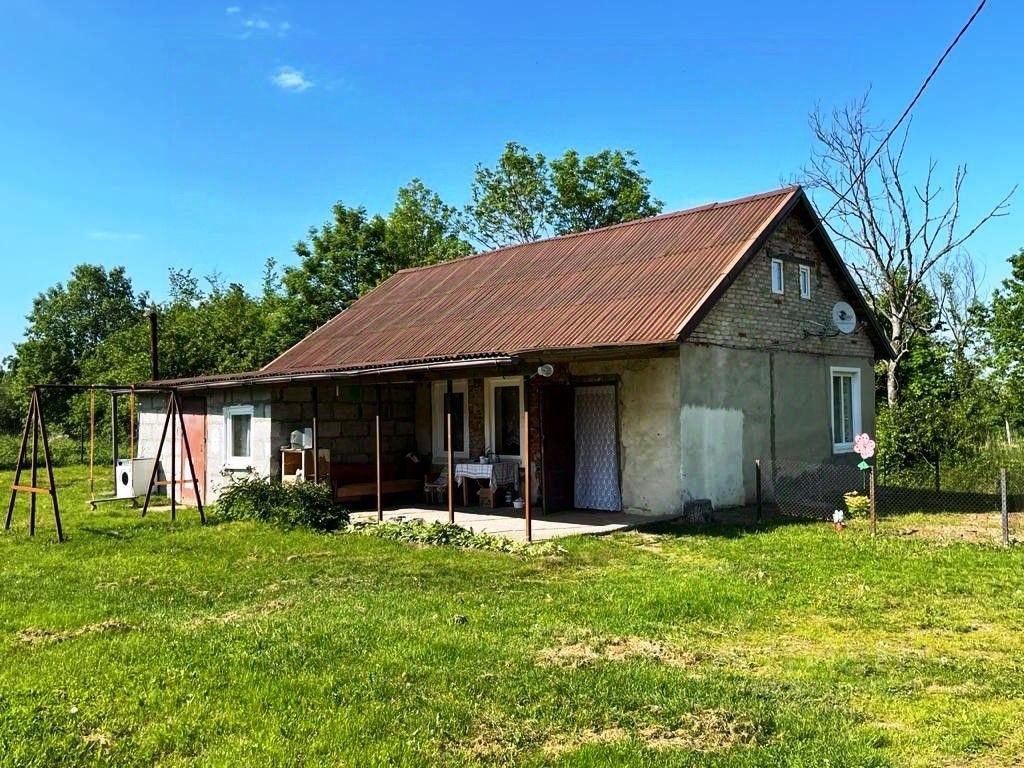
(297, 464)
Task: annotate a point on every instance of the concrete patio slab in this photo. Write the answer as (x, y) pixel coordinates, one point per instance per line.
(509, 522)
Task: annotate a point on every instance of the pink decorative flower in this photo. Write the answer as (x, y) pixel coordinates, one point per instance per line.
(864, 445)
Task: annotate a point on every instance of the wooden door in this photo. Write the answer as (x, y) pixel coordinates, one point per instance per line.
(193, 411)
(558, 462)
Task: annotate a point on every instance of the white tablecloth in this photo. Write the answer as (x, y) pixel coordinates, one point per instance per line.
(501, 473)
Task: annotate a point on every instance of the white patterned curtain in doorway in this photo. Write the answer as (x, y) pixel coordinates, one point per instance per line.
(597, 455)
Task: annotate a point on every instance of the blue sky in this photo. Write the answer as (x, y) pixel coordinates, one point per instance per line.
(212, 135)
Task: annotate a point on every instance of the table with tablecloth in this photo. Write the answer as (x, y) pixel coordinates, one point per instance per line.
(498, 474)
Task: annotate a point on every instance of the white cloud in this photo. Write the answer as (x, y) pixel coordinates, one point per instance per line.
(111, 236)
(231, 10)
(291, 79)
(283, 28)
(256, 23)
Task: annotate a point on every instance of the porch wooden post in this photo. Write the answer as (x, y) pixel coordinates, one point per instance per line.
(527, 518)
(316, 433)
(380, 503)
(451, 454)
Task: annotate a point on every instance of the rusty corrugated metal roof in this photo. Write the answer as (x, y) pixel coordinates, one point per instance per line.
(637, 283)
(628, 284)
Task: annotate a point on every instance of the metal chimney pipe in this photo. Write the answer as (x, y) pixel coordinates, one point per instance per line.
(154, 365)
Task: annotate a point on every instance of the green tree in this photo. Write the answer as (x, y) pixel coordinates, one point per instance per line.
(422, 229)
(66, 326)
(524, 197)
(1005, 332)
(338, 262)
(512, 202)
(599, 190)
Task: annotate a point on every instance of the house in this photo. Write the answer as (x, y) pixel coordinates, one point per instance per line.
(656, 360)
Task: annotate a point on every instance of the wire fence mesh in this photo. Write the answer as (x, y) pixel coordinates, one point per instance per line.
(810, 490)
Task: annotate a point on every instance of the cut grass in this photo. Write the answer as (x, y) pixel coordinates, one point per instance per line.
(141, 642)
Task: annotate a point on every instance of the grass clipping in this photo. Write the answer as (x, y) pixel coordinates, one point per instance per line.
(416, 531)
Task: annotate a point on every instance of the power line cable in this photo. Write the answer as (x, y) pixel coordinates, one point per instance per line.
(906, 112)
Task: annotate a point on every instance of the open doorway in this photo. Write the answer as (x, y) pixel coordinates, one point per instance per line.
(579, 444)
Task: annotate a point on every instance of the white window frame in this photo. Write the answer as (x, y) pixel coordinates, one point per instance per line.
(781, 287)
(438, 391)
(855, 421)
(490, 385)
(230, 411)
(805, 281)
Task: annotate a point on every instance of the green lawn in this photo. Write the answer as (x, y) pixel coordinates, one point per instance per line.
(145, 642)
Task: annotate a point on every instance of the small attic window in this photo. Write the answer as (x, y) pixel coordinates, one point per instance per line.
(805, 282)
(777, 279)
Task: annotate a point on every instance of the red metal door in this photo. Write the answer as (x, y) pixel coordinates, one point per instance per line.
(193, 411)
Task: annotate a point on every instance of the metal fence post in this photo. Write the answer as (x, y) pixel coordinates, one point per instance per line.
(757, 482)
(1004, 507)
(874, 506)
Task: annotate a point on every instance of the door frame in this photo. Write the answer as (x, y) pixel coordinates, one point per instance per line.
(574, 382)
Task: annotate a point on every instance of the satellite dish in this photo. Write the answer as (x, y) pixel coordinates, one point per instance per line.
(843, 317)
(545, 370)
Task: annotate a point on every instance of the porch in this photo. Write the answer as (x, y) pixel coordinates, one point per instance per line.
(509, 522)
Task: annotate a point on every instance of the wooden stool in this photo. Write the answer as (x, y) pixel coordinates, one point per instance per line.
(487, 496)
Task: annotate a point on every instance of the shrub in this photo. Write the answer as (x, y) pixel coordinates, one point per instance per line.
(856, 504)
(416, 531)
(307, 505)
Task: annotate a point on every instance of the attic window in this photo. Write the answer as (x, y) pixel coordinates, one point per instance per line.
(777, 279)
(805, 282)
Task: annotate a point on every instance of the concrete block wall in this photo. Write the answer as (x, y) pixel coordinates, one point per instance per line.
(346, 419)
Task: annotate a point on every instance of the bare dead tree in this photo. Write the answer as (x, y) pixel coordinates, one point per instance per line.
(895, 233)
(955, 286)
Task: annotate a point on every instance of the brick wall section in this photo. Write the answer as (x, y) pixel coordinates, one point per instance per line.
(749, 315)
(475, 414)
(346, 421)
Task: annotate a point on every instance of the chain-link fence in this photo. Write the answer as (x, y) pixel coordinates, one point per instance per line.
(815, 490)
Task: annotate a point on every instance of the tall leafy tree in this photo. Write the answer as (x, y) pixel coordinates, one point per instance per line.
(1005, 331)
(511, 202)
(67, 324)
(338, 262)
(599, 190)
(422, 229)
(525, 197)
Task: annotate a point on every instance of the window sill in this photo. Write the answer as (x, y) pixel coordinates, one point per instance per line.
(842, 448)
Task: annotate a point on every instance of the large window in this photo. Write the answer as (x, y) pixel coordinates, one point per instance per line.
(503, 412)
(238, 436)
(460, 424)
(845, 397)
